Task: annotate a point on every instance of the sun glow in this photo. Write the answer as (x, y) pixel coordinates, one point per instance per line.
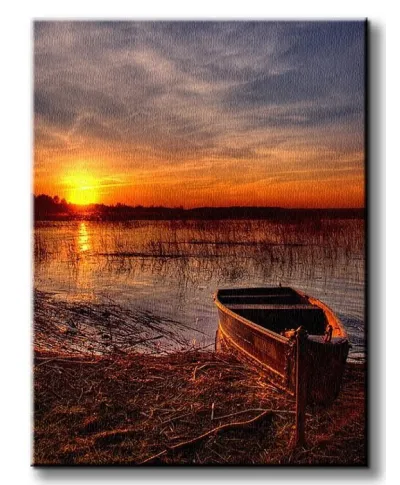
(82, 188)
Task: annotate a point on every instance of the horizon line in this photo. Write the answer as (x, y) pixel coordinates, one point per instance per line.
(82, 206)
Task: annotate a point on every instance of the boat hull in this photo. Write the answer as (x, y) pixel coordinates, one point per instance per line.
(276, 354)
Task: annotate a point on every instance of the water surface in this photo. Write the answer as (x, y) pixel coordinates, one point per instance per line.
(170, 269)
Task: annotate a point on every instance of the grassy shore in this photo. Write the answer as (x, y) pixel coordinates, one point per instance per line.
(192, 407)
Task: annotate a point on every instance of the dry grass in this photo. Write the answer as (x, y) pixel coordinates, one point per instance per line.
(183, 408)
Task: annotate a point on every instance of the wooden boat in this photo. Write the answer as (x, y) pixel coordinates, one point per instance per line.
(261, 323)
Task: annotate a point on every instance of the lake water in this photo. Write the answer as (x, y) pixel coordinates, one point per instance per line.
(170, 269)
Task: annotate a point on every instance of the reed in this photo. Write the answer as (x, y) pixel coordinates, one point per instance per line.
(212, 239)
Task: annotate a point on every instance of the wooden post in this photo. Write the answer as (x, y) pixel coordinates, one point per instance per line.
(218, 338)
(301, 385)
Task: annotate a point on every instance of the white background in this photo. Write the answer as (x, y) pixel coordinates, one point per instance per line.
(15, 235)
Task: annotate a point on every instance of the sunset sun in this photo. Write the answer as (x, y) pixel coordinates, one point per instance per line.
(82, 188)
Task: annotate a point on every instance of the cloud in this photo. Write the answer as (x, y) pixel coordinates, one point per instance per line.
(176, 92)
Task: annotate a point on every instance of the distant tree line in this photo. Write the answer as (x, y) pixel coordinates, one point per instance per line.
(48, 207)
(54, 208)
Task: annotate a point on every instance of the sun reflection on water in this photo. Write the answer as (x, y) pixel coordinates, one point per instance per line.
(83, 270)
(83, 238)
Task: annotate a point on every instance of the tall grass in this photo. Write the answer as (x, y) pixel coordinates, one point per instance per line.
(208, 249)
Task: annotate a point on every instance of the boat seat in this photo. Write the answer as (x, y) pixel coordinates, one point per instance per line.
(272, 306)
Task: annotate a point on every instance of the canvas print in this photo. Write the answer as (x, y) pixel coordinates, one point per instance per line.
(199, 243)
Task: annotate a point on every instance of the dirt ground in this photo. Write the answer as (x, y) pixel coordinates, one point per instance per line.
(200, 408)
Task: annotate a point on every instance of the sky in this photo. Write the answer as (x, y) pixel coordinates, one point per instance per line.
(200, 113)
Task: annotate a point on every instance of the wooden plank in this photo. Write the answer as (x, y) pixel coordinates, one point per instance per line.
(266, 306)
(281, 295)
(301, 386)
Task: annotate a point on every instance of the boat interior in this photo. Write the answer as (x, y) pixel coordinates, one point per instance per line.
(280, 310)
